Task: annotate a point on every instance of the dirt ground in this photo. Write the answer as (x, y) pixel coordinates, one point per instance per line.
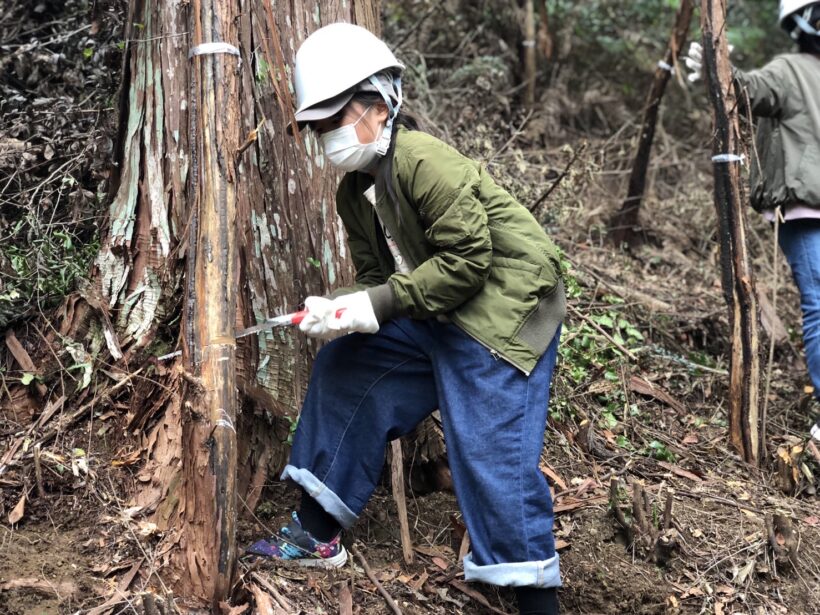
(651, 414)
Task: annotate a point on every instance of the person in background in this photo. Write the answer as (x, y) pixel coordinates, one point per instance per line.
(457, 306)
(784, 98)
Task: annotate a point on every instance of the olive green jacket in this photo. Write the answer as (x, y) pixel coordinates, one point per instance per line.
(477, 257)
(784, 97)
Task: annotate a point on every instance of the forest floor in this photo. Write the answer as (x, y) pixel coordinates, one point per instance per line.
(639, 398)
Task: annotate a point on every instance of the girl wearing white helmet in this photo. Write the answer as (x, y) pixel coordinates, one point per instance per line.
(457, 306)
(784, 97)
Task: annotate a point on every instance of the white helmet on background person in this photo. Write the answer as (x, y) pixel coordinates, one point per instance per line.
(795, 17)
(789, 7)
(332, 64)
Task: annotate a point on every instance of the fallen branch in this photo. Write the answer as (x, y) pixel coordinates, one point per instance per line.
(264, 603)
(601, 330)
(475, 595)
(387, 598)
(345, 599)
(64, 590)
(280, 599)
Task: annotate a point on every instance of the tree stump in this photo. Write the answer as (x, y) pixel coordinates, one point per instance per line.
(656, 544)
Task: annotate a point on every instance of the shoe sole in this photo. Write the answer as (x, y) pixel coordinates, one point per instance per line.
(337, 561)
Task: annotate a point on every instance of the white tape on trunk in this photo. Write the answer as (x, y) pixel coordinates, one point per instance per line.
(728, 158)
(211, 48)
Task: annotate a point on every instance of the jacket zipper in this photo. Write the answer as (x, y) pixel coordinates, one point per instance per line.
(495, 354)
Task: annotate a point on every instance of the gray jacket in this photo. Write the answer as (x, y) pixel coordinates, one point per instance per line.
(785, 100)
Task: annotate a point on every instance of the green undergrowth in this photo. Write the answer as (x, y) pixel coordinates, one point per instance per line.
(590, 361)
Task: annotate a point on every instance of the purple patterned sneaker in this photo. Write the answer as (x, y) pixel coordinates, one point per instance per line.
(296, 545)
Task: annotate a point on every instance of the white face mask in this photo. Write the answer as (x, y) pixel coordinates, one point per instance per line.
(343, 149)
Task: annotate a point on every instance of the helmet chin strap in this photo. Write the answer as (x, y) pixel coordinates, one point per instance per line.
(393, 111)
(803, 24)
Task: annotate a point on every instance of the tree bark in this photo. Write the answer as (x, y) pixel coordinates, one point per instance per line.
(730, 201)
(624, 226)
(218, 220)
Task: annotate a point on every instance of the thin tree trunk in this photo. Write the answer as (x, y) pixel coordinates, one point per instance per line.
(730, 201)
(624, 226)
(529, 54)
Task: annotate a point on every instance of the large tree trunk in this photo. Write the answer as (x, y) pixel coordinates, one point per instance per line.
(730, 202)
(218, 220)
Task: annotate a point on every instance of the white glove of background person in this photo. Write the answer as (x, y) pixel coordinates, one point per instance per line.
(815, 431)
(315, 322)
(353, 312)
(694, 61)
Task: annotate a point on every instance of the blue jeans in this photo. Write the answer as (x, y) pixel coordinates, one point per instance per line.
(800, 241)
(366, 390)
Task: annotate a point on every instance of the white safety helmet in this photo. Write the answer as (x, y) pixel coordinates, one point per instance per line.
(331, 65)
(795, 17)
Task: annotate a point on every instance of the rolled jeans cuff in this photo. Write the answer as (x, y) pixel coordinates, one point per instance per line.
(316, 489)
(545, 573)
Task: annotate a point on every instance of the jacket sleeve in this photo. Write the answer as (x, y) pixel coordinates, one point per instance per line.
(444, 186)
(767, 88)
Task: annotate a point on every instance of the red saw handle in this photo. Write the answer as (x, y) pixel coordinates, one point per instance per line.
(298, 317)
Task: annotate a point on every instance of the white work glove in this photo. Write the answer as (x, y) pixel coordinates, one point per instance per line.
(694, 61)
(315, 322)
(328, 318)
(815, 432)
(353, 312)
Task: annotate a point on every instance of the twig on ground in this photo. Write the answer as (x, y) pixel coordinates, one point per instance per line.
(601, 330)
(280, 599)
(772, 338)
(517, 133)
(387, 598)
(578, 153)
(38, 472)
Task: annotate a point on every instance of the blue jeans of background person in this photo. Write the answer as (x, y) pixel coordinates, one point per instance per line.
(800, 241)
(366, 390)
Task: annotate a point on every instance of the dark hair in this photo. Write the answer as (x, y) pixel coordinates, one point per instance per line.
(809, 43)
(384, 172)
